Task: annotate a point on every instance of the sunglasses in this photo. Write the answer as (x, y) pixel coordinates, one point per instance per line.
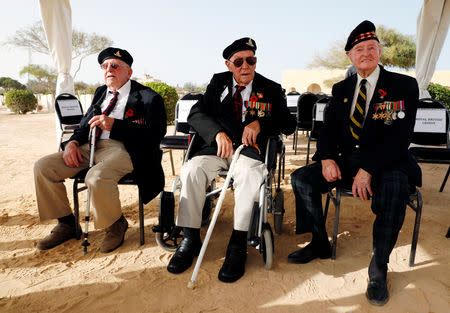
(114, 66)
(239, 61)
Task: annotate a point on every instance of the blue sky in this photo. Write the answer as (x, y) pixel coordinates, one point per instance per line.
(182, 41)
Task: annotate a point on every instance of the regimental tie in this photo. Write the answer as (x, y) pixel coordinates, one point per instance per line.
(107, 111)
(238, 102)
(357, 119)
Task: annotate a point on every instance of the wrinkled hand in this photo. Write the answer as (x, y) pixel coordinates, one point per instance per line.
(361, 185)
(72, 155)
(250, 133)
(224, 145)
(330, 170)
(102, 121)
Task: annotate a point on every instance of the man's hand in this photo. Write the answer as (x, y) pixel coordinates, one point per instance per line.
(102, 121)
(361, 184)
(330, 170)
(224, 145)
(250, 133)
(72, 155)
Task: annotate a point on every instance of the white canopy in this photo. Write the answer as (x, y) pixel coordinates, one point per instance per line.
(57, 21)
(432, 28)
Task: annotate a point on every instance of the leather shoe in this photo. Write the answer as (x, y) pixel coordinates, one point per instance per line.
(310, 252)
(377, 291)
(59, 234)
(187, 250)
(115, 235)
(233, 267)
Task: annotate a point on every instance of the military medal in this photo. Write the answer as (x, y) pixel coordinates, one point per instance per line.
(394, 115)
(401, 115)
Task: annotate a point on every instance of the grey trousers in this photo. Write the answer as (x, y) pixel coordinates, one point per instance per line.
(196, 175)
(112, 162)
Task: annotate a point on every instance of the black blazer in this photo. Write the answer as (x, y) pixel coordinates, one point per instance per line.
(210, 115)
(381, 146)
(141, 130)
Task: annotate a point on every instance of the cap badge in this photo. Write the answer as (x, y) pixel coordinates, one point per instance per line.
(117, 54)
(250, 42)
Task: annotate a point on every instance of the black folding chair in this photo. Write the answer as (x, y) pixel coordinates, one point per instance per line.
(431, 135)
(305, 105)
(178, 141)
(414, 202)
(70, 112)
(318, 114)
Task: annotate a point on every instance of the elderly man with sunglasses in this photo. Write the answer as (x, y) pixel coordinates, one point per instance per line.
(239, 107)
(130, 128)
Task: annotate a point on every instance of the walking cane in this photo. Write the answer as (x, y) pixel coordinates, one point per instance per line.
(92, 134)
(190, 284)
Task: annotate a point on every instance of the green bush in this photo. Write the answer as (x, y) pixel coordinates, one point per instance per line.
(440, 93)
(20, 101)
(170, 96)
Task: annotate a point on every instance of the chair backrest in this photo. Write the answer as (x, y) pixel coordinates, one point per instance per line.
(432, 123)
(182, 109)
(292, 101)
(318, 112)
(305, 106)
(68, 109)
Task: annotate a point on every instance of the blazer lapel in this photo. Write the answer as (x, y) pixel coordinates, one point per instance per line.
(133, 100)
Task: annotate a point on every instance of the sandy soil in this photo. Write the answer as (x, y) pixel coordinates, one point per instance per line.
(134, 277)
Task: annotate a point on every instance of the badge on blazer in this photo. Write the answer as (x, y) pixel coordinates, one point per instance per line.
(345, 100)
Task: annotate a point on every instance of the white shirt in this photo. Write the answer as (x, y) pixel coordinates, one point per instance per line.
(245, 94)
(370, 88)
(119, 109)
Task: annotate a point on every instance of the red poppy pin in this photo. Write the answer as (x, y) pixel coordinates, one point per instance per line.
(382, 93)
(129, 113)
(253, 98)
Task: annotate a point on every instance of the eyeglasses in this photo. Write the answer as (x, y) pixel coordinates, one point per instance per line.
(115, 66)
(239, 61)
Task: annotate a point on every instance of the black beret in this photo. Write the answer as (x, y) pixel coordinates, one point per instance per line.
(364, 31)
(115, 53)
(242, 44)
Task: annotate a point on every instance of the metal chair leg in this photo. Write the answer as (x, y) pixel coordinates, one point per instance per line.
(445, 180)
(141, 219)
(171, 162)
(415, 237)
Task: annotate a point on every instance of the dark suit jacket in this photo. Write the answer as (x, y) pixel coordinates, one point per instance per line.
(381, 146)
(210, 115)
(141, 131)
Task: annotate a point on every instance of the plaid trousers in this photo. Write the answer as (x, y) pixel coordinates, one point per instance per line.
(390, 195)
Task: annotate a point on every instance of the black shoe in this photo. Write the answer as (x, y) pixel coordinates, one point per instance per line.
(233, 267)
(310, 252)
(184, 256)
(377, 292)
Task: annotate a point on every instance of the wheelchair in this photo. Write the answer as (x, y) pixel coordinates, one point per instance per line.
(271, 200)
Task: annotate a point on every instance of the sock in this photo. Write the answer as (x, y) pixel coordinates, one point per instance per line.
(239, 237)
(192, 233)
(68, 220)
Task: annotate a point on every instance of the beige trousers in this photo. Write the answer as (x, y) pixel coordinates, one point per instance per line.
(112, 162)
(196, 175)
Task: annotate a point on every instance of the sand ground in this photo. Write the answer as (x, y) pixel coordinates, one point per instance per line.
(134, 278)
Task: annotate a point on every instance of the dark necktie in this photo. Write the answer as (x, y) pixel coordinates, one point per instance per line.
(357, 119)
(238, 102)
(108, 110)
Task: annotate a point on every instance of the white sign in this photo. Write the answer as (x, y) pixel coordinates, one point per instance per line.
(430, 121)
(184, 107)
(69, 107)
(320, 107)
(292, 100)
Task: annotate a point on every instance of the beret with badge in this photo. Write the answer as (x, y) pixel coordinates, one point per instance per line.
(364, 31)
(115, 53)
(242, 44)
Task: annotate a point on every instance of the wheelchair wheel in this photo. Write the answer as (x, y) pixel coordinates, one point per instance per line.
(167, 235)
(169, 241)
(267, 247)
(278, 211)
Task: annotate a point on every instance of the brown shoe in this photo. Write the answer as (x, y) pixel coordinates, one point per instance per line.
(115, 234)
(60, 234)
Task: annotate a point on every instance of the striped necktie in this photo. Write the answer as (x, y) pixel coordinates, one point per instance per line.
(107, 111)
(357, 119)
(238, 102)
